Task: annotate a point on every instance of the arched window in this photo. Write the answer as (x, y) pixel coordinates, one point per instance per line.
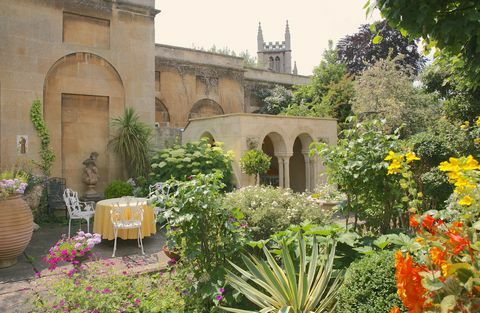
(270, 63)
(161, 114)
(204, 108)
(277, 64)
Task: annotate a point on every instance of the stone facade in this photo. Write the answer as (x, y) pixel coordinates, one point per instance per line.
(87, 60)
(286, 139)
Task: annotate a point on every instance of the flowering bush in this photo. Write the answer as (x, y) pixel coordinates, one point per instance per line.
(327, 192)
(11, 184)
(268, 209)
(72, 250)
(440, 271)
(103, 289)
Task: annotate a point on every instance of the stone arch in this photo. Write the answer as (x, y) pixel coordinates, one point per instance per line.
(162, 118)
(300, 164)
(204, 108)
(82, 92)
(274, 146)
(277, 64)
(209, 136)
(271, 63)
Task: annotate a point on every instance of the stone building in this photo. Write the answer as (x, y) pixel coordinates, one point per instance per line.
(87, 60)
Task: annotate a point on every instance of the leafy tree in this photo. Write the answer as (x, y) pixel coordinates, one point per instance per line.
(329, 94)
(274, 99)
(451, 26)
(255, 162)
(376, 42)
(459, 103)
(132, 142)
(356, 164)
(386, 91)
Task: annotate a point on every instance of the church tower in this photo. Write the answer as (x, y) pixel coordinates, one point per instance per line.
(275, 56)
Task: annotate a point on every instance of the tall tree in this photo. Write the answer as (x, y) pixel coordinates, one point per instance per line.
(376, 42)
(452, 26)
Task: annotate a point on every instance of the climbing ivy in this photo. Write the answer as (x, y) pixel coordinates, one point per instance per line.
(46, 153)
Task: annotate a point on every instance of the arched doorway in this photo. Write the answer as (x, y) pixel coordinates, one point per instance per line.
(82, 91)
(274, 146)
(162, 118)
(204, 108)
(301, 166)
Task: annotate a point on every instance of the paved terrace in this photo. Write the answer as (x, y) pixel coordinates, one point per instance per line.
(17, 282)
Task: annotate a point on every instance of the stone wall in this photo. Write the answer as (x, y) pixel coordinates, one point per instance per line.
(92, 48)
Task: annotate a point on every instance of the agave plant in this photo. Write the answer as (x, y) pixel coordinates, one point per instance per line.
(309, 286)
(131, 142)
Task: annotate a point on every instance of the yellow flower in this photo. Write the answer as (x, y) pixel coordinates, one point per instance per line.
(410, 156)
(476, 141)
(466, 201)
(445, 267)
(394, 167)
(471, 164)
(391, 156)
(478, 121)
(449, 166)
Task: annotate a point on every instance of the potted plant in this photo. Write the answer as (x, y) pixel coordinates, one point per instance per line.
(16, 219)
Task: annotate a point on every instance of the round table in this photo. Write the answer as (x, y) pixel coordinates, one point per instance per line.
(103, 223)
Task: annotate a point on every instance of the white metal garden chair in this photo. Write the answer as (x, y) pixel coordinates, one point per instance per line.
(127, 215)
(158, 194)
(78, 210)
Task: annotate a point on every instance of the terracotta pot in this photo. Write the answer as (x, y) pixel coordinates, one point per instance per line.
(16, 227)
(172, 254)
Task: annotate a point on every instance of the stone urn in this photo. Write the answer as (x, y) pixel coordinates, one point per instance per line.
(329, 205)
(16, 227)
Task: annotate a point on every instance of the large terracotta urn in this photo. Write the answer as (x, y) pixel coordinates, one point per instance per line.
(16, 227)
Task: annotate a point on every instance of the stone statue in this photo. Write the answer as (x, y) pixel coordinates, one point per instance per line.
(90, 177)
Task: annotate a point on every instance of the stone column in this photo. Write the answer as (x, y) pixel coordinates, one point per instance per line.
(307, 172)
(286, 164)
(280, 171)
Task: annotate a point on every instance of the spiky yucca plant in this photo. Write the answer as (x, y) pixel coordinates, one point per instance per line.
(309, 286)
(132, 142)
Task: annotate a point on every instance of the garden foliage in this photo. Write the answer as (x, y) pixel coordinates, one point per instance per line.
(46, 152)
(118, 189)
(203, 230)
(268, 210)
(182, 161)
(132, 142)
(356, 164)
(255, 162)
(369, 285)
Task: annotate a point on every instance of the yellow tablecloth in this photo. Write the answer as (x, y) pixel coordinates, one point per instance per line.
(103, 223)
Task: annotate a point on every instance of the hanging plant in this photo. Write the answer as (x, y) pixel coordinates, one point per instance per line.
(46, 153)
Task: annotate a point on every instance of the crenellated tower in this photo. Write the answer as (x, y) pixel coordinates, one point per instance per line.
(275, 56)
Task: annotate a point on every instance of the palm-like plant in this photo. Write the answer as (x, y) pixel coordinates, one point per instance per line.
(132, 142)
(307, 287)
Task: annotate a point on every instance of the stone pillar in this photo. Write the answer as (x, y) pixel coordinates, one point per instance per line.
(315, 169)
(280, 171)
(286, 164)
(308, 179)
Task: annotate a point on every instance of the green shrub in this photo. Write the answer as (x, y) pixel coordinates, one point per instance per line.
(117, 189)
(254, 162)
(183, 161)
(268, 209)
(369, 285)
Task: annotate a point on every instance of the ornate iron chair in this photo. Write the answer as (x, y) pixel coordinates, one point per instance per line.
(158, 194)
(78, 210)
(55, 189)
(127, 215)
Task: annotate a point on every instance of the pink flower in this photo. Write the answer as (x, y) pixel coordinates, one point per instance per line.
(106, 290)
(88, 288)
(219, 298)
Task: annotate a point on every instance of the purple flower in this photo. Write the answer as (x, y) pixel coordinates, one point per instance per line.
(88, 288)
(106, 290)
(219, 298)
(221, 290)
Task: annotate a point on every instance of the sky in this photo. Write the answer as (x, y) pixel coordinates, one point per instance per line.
(234, 24)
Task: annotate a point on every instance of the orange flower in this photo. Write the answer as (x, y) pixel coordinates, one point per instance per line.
(413, 222)
(409, 283)
(395, 310)
(459, 243)
(438, 256)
